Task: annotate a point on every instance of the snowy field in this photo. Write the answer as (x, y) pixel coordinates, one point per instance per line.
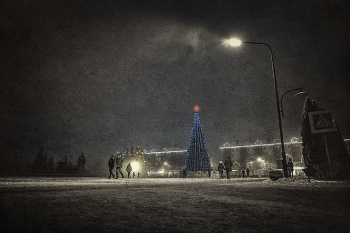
(71, 204)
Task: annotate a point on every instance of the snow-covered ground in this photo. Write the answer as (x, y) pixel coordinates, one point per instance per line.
(91, 204)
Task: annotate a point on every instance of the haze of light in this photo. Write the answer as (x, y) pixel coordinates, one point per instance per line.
(232, 42)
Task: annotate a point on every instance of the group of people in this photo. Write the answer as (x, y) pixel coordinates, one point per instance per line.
(227, 165)
(118, 161)
(243, 172)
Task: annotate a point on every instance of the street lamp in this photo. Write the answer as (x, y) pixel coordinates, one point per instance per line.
(236, 42)
(300, 95)
(135, 166)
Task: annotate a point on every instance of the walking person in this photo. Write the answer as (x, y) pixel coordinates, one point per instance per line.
(119, 165)
(228, 166)
(248, 172)
(290, 168)
(111, 166)
(221, 170)
(243, 173)
(184, 173)
(133, 174)
(81, 161)
(128, 169)
(209, 172)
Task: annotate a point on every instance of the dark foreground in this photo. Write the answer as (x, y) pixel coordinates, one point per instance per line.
(173, 205)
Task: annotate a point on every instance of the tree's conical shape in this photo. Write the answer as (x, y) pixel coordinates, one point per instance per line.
(197, 154)
(315, 152)
(312, 143)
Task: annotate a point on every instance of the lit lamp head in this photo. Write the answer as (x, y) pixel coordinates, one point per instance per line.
(301, 96)
(135, 166)
(233, 42)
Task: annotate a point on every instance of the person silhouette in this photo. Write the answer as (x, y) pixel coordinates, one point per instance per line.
(128, 169)
(119, 165)
(228, 166)
(221, 170)
(111, 166)
(290, 168)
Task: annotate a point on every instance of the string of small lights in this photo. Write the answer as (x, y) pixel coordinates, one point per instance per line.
(197, 158)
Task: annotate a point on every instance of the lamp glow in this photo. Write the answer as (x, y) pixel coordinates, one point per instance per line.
(135, 166)
(233, 42)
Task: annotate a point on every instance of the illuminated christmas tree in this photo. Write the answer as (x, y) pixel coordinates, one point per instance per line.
(197, 154)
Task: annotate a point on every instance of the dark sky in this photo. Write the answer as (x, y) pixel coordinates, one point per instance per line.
(101, 77)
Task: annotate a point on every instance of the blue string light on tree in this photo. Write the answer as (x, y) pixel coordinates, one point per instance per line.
(197, 158)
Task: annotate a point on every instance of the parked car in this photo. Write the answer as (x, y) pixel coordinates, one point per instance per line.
(275, 175)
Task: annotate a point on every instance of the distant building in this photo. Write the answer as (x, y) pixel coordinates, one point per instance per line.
(269, 156)
(167, 160)
(260, 157)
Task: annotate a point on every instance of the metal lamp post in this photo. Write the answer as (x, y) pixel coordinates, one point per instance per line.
(236, 42)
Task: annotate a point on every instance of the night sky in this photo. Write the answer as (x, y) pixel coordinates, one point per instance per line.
(100, 76)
